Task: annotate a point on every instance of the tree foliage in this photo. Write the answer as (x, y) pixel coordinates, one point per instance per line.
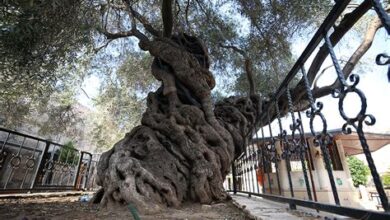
(43, 55)
(37, 37)
(386, 179)
(43, 46)
(359, 171)
(121, 100)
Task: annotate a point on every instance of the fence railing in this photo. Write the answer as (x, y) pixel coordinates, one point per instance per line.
(29, 163)
(303, 169)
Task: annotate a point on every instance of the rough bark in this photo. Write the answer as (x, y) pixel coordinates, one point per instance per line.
(183, 149)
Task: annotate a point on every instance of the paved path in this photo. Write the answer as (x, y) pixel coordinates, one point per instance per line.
(259, 208)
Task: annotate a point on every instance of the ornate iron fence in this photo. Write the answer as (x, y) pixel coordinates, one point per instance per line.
(91, 183)
(267, 167)
(30, 163)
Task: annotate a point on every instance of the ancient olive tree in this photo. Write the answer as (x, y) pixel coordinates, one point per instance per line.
(185, 144)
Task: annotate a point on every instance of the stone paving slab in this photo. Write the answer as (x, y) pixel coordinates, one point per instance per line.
(259, 208)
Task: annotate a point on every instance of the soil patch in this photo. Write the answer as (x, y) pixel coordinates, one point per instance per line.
(71, 208)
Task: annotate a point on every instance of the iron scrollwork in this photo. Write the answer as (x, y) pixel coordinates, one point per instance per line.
(299, 145)
(287, 149)
(357, 122)
(322, 138)
(382, 60)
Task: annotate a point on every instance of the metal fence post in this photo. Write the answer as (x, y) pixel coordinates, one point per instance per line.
(87, 171)
(40, 165)
(234, 178)
(78, 170)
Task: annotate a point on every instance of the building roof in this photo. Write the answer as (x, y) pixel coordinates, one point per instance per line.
(352, 146)
(351, 142)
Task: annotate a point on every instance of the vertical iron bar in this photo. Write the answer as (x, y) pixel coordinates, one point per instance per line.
(87, 170)
(243, 171)
(65, 165)
(2, 153)
(78, 170)
(285, 147)
(4, 143)
(276, 158)
(234, 177)
(256, 157)
(242, 176)
(40, 165)
(302, 154)
(248, 166)
(262, 150)
(251, 161)
(322, 137)
(27, 167)
(14, 167)
(56, 164)
(49, 168)
(246, 162)
(301, 146)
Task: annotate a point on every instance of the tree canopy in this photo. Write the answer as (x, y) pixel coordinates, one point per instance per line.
(39, 38)
(47, 48)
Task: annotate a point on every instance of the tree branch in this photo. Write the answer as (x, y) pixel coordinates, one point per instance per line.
(345, 25)
(248, 66)
(122, 34)
(96, 50)
(148, 27)
(234, 48)
(315, 82)
(354, 59)
(167, 17)
(186, 11)
(145, 23)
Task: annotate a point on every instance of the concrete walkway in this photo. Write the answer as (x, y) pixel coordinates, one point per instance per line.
(259, 208)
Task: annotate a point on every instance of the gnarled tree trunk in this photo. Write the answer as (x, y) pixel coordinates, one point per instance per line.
(184, 147)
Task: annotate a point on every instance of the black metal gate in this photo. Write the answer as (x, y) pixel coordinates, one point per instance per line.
(29, 163)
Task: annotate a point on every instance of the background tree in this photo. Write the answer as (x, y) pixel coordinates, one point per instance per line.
(359, 171)
(121, 101)
(386, 179)
(37, 38)
(68, 154)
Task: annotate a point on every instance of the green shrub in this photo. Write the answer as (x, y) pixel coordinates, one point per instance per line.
(359, 171)
(386, 179)
(68, 153)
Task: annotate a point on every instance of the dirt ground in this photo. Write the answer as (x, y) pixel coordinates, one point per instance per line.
(70, 208)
